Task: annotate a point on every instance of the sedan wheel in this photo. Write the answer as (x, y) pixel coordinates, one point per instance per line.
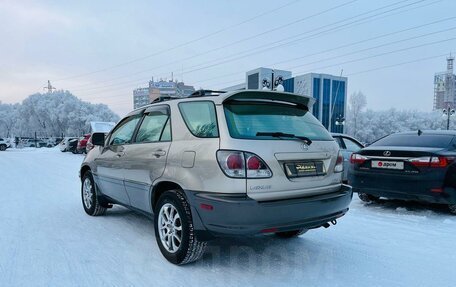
(367, 197)
(452, 208)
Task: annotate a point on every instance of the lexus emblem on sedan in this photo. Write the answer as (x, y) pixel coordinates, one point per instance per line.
(386, 153)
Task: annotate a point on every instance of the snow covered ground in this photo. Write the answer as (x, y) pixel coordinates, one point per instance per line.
(46, 239)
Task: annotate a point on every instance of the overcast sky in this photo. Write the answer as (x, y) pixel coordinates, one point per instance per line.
(102, 50)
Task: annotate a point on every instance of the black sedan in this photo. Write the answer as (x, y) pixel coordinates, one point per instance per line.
(418, 166)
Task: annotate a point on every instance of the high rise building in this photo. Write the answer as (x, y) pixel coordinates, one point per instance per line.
(445, 87)
(329, 92)
(144, 96)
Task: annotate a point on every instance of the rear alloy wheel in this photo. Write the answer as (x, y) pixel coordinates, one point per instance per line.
(367, 197)
(292, 234)
(90, 200)
(174, 229)
(452, 208)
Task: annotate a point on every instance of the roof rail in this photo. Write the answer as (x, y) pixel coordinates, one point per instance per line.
(202, 93)
(164, 98)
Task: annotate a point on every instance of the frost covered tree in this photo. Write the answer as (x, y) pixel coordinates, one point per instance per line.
(369, 125)
(356, 104)
(8, 118)
(55, 114)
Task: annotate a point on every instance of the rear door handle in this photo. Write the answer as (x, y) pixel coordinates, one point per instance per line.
(159, 153)
(120, 154)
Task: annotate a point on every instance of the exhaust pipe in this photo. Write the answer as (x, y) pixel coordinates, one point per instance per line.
(333, 222)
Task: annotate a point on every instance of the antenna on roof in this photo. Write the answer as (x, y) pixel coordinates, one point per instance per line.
(420, 132)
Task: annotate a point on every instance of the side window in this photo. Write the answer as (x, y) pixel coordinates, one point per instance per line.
(351, 145)
(155, 127)
(200, 118)
(124, 132)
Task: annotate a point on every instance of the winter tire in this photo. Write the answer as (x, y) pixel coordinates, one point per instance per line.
(174, 230)
(367, 197)
(90, 200)
(291, 234)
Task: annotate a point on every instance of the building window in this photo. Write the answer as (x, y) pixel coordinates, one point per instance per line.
(338, 100)
(326, 102)
(316, 96)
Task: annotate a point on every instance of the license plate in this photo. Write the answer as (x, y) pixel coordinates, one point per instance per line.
(388, 164)
(301, 169)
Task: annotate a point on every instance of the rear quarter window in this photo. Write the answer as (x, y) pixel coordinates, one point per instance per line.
(200, 118)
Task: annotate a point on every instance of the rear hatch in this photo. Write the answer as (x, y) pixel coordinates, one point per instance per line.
(285, 138)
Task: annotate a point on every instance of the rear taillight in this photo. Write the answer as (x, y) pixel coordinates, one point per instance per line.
(357, 158)
(431, 161)
(240, 164)
(339, 163)
(256, 168)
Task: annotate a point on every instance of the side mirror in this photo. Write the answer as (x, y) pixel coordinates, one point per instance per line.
(98, 139)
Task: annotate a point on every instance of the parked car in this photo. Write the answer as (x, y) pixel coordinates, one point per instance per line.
(4, 144)
(417, 166)
(229, 164)
(82, 143)
(64, 144)
(347, 145)
(89, 144)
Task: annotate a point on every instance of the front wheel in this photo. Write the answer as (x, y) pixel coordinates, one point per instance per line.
(90, 200)
(291, 234)
(174, 230)
(367, 197)
(2, 147)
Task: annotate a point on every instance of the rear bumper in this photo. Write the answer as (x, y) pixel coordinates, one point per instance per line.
(241, 215)
(416, 187)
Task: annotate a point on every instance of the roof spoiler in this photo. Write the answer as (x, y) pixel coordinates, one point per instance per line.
(273, 96)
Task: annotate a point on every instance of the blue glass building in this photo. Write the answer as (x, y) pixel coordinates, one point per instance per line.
(329, 92)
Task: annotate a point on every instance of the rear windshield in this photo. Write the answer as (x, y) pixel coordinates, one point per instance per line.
(246, 119)
(432, 141)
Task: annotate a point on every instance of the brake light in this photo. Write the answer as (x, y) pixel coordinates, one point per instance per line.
(240, 164)
(256, 168)
(438, 162)
(235, 161)
(339, 163)
(357, 158)
(431, 161)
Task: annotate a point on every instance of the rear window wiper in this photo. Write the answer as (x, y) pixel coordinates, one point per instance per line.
(284, 135)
